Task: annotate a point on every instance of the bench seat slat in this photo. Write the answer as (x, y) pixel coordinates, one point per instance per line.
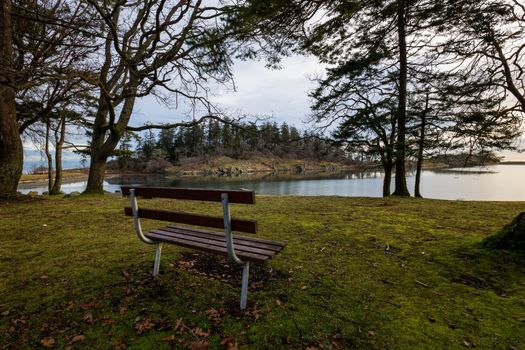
(207, 247)
(222, 245)
(211, 239)
(247, 241)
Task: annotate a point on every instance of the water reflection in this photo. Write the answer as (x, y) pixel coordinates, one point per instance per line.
(499, 182)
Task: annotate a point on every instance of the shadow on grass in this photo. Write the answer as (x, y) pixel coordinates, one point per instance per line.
(484, 268)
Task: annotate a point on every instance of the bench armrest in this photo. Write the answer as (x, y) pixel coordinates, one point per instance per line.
(136, 219)
(228, 229)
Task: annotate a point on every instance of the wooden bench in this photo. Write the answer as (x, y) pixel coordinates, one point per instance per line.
(241, 250)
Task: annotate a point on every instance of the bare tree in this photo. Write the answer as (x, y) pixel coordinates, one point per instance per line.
(41, 50)
(164, 48)
(487, 43)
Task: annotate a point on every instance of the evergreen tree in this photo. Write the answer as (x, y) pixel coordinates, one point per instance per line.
(147, 145)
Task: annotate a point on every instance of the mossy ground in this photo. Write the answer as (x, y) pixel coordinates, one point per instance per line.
(356, 273)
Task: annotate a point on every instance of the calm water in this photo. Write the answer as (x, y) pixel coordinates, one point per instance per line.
(498, 182)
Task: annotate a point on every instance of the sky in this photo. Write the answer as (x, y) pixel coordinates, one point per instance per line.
(281, 94)
(259, 91)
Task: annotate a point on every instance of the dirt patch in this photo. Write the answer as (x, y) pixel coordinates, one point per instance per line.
(222, 269)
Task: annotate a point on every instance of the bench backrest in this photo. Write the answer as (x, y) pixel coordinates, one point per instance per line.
(246, 197)
(234, 196)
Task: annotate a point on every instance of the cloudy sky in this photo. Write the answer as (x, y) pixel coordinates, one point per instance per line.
(260, 91)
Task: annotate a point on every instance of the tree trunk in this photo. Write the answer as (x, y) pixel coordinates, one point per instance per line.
(401, 188)
(387, 166)
(49, 159)
(11, 150)
(59, 144)
(102, 147)
(421, 147)
(419, 164)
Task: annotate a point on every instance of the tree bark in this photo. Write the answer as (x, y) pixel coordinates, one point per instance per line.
(421, 147)
(59, 144)
(419, 163)
(388, 165)
(11, 150)
(49, 159)
(105, 140)
(401, 188)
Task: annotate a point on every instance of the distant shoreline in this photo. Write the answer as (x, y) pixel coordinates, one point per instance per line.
(516, 162)
(76, 174)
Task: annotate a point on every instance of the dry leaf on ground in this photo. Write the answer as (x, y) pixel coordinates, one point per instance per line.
(48, 343)
(198, 345)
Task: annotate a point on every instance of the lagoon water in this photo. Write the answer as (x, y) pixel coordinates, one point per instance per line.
(497, 182)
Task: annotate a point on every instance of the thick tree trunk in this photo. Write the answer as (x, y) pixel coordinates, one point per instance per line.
(97, 172)
(59, 144)
(102, 146)
(11, 151)
(401, 188)
(387, 167)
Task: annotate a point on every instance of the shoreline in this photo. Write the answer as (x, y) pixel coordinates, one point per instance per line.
(77, 175)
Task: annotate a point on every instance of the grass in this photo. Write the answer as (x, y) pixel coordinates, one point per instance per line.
(357, 273)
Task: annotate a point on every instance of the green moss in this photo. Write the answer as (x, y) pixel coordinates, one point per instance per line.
(357, 272)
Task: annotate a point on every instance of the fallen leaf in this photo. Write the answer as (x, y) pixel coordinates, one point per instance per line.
(371, 333)
(5, 313)
(199, 345)
(467, 344)
(88, 318)
(229, 343)
(48, 343)
(91, 305)
(200, 332)
(336, 342)
(169, 338)
(122, 310)
(278, 302)
(179, 325)
(255, 313)
(125, 274)
(70, 305)
(77, 339)
(106, 320)
(142, 326)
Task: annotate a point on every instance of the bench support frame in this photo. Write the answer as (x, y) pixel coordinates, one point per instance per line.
(244, 286)
(156, 265)
(140, 234)
(231, 249)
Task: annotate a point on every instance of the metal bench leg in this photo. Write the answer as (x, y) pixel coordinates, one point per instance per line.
(244, 286)
(156, 265)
